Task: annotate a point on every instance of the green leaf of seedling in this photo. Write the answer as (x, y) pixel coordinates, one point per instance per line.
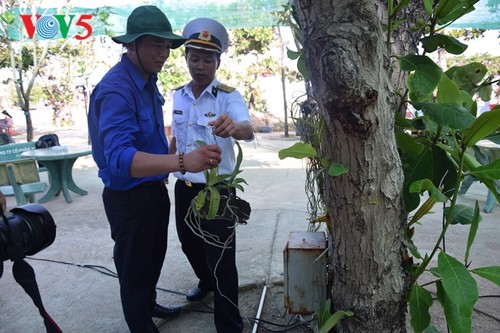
(428, 7)
(433, 270)
(449, 43)
(416, 168)
(239, 181)
(213, 208)
(485, 124)
(292, 55)
(448, 114)
(239, 159)
(461, 214)
(468, 103)
(237, 184)
(332, 321)
(485, 92)
(298, 150)
(463, 7)
(325, 162)
(431, 329)
(491, 185)
(413, 249)
(212, 177)
(445, 7)
(457, 321)
(336, 169)
(470, 162)
(222, 178)
(409, 144)
(323, 312)
(403, 122)
(420, 303)
(459, 285)
(239, 187)
(473, 230)
(490, 171)
(201, 143)
(491, 273)
(200, 200)
(422, 185)
(468, 77)
(424, 78)
(448, 91)
(301, 66)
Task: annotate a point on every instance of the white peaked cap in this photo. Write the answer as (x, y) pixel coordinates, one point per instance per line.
(206, 34)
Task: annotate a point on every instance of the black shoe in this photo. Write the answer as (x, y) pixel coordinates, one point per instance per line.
(196, 294)
(163, 311)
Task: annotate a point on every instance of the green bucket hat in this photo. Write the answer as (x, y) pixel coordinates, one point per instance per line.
(149, 20)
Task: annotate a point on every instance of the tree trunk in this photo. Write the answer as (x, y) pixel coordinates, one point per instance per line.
(349, 66)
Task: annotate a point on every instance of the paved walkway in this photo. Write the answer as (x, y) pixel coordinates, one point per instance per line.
(82, 296)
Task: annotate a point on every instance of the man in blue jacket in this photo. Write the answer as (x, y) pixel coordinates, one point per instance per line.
(131, 151)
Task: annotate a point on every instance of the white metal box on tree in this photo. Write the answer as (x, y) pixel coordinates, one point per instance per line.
(305, 278)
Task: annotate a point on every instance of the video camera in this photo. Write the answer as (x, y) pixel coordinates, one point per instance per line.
(29, 230)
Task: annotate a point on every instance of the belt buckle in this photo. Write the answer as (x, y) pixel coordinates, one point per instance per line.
(188, 183)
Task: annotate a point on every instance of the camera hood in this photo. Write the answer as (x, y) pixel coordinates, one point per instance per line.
(47, 225)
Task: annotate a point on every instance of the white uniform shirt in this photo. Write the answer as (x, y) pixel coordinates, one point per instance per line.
(190, 123)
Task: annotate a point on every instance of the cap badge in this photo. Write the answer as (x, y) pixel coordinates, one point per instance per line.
(205, 35)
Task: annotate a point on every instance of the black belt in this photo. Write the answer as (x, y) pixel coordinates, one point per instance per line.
(154, 183)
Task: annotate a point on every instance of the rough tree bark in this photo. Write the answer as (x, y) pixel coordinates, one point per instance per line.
(353, 83)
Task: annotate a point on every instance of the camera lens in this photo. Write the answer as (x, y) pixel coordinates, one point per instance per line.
(33, 223)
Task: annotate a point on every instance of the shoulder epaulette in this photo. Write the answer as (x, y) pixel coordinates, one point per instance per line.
(225, 88)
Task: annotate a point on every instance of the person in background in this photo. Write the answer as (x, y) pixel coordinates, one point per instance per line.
(212, 112)
(7, 124)
(131, 151)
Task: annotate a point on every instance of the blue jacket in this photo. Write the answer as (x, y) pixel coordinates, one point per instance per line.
(125, 116)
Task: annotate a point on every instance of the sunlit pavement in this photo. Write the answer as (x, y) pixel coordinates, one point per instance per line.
(84, 299)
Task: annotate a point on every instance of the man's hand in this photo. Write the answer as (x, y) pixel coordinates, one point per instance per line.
(203, 158)
(223, 126)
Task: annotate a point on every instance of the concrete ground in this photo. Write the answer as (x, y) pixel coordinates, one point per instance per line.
(80, 292)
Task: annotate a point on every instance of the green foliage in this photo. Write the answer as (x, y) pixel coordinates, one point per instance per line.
(327, 320)
(490, 62)
(466, 34)
(434, 148)
(450, 44)
(298, 150)
(252, 40)
(435, 161)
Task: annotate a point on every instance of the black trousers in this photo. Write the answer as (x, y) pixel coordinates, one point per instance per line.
(215, 267)
(139, 220)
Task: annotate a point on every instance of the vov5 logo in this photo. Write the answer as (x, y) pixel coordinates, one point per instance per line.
(47, 26)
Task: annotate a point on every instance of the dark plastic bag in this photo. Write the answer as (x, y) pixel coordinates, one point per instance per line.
(47, 140)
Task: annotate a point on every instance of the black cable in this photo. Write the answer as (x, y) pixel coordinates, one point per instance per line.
(286, 327)
(289, 326)
(99, 269)
(108, 272)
